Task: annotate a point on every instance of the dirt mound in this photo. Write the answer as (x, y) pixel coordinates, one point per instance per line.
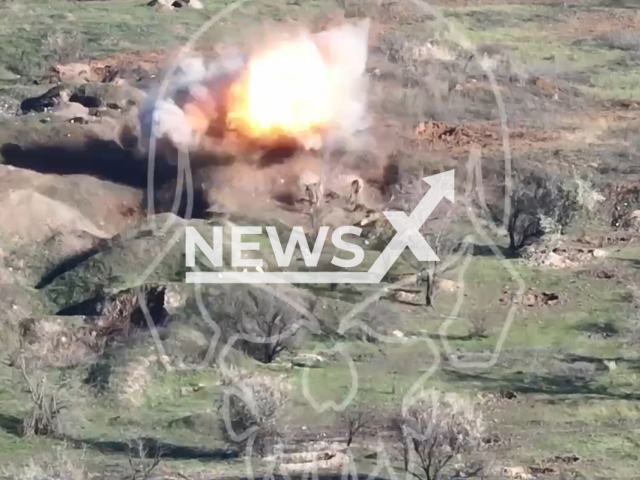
(113, 69)
(48, 219)
(445, 135)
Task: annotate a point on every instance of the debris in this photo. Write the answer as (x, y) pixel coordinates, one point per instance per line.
(561, 256)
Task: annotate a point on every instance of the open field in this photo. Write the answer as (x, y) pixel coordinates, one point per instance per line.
(546, 91)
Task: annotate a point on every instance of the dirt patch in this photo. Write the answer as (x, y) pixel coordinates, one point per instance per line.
(590, 24)
(109, 69)
(445, 135)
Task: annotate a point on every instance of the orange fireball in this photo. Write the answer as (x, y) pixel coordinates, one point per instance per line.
(285, 91)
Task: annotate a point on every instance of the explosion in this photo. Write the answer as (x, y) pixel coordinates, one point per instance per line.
(285, 91)
(308, 90)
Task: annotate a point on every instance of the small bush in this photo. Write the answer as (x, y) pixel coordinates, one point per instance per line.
(57, 467)
(437, 429)
(539, 204)
(254, 410)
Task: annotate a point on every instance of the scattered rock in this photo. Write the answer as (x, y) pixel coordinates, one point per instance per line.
(518, 473)
(533, 299)
(600, 253)
(308, 360)
(560, 256)
(448, 285)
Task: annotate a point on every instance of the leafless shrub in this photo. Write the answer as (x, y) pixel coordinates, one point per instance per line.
(436, 430)
(254, 410)
(142, 462)
(43, 417)
(539, 204)
(478, 325)
(355, 418)
(576, 372)
(266, 325)
(59, 466)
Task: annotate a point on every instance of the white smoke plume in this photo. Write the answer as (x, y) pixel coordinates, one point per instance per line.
(343, 50)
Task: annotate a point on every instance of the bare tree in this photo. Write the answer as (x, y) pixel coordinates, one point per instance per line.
(538, 203)
(268, 324)
(434, 431)
(43, 418)
(141, 463)
(264, 324)
(254, 410)
(355, 419)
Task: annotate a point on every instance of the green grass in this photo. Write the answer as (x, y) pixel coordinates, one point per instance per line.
(597, 421)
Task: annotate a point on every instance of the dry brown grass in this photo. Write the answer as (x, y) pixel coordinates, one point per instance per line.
(43, 418)
(59, 466)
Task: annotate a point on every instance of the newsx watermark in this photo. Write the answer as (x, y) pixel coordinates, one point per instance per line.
(407, 236)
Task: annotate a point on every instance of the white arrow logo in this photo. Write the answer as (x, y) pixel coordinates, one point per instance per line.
(407, 236)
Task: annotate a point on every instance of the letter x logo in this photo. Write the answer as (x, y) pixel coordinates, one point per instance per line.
(408, 227)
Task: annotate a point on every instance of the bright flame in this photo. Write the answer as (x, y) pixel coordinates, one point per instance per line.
(285, 90)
